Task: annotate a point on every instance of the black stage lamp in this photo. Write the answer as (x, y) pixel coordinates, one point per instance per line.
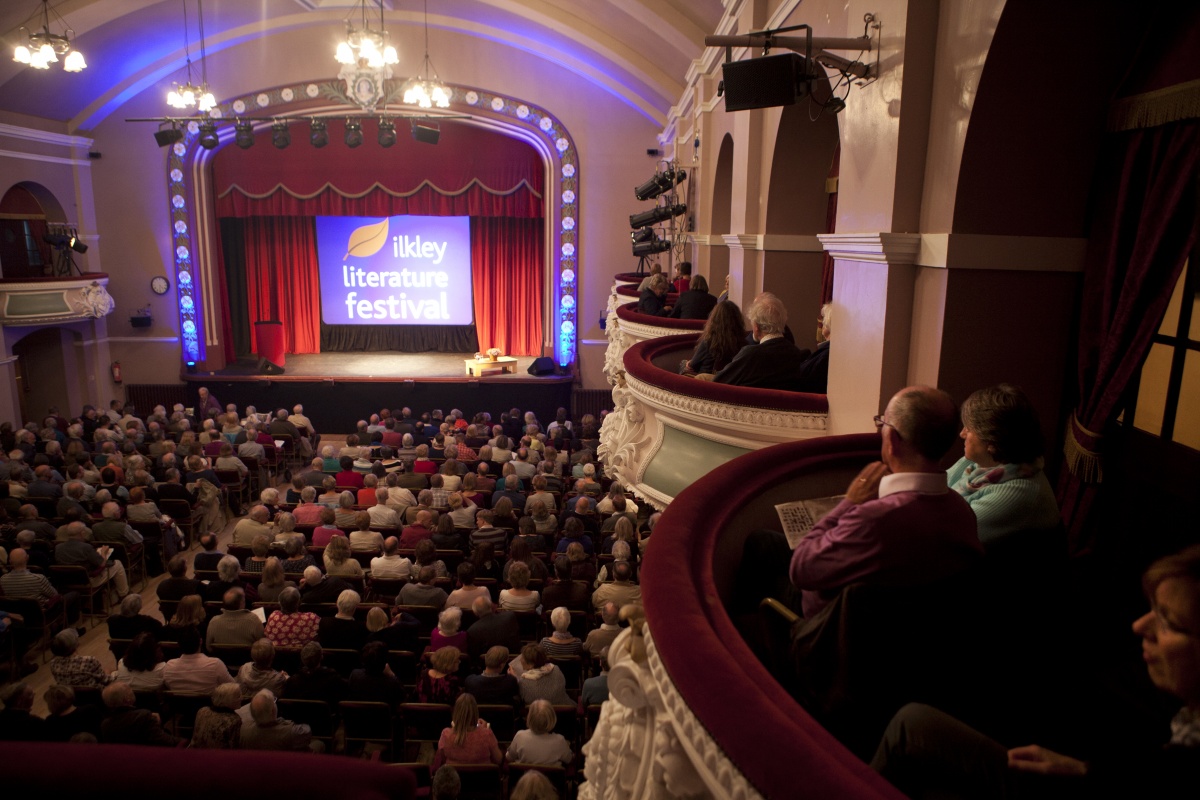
(354, 135)
(169, 136)
(642, 249)
(387, 133)
(661, 182)
(244, 134)
(318, 133)
(656, 215)
(280, 136)
(642, 235)
(55, 240)
(76, 245)
(208, 135)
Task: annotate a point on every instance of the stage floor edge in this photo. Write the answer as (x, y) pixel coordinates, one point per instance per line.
(390, 366)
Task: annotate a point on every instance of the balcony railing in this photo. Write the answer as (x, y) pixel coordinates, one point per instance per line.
(39, 301)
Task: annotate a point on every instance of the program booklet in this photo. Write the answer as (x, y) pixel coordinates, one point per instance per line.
(799, 516)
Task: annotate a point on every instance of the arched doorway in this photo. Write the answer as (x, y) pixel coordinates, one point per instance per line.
(47, 372)
(26, 212)
(722, 210)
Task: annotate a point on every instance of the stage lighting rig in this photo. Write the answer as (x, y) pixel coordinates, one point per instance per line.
(642, 235)
(656, 215)
(318, 133)
(208, 135)
(243, 135)
(661, 182)
(643, 249)
(387, 132)
(354, 134)
(280, 136)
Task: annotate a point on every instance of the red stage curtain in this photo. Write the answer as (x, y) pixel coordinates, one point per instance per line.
(509, 282)
(281, 279)
(427, 201)
(1143, 234)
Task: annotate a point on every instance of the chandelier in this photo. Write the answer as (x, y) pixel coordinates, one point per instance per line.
(187, 94)
(364, 46)
(421, 90)
(42, 48)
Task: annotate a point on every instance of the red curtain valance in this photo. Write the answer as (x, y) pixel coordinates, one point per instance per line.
(471, 171)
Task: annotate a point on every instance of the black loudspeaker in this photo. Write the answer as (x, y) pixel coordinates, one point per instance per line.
(765, 82)
(426, 133)
(266, 367)
(166, 137)
(542, 366)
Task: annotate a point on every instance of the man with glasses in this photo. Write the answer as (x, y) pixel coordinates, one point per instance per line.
(899, 523)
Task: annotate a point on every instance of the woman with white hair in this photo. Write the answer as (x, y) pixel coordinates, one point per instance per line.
(269, 499)
(343, 631)
(562, 643)
(218, 726)
(447, 633)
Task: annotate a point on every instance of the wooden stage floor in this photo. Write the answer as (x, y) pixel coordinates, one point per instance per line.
(381, 366)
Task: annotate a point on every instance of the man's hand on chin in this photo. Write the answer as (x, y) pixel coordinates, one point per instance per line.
(866, 486)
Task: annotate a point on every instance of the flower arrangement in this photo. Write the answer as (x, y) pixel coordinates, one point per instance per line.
(493, 353)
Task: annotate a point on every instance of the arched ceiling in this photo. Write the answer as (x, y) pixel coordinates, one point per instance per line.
(637, 50)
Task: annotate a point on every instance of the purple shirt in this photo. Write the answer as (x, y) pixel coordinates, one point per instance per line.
(916, 532)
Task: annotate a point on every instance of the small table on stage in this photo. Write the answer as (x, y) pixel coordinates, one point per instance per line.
(478, 369)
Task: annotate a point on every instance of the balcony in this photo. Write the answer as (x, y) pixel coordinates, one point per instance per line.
(42, 301)
(667, 431)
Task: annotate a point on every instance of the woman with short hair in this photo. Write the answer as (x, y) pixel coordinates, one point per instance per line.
(273, 581)
(538, 743)
(448, 632)
(519, 597)
(539, 678)
(143, 666)
(339, 561)
(561, 643)
(440, 683)
(289, 626)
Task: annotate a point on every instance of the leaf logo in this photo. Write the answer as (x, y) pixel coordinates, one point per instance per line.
(367, 240)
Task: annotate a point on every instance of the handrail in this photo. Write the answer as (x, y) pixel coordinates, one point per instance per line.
(629, 313)
(773, 742)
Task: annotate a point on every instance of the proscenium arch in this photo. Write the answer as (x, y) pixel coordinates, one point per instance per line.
(192, 204)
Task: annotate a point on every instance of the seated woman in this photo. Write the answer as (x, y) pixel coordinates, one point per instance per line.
(328, 528)
(423, 465)
(218, 726)
(425, 554)
(294, 491)
(343, 515)
(487, 565)
(362, 538)
(451, 481)
(520, 597)
(562, 643)
(583, 568)
(722, 338)
(440, 683)
(448, 632)
(927, 753)
(289, 626)
(469, 739)
(227, 460)
(522, 551)
(143, 665)
(652, 300)
(72, 669)
(544, 523)
(273, 581)
(467, 591)
(462, 510)
(538, 678)
(694, 302)
(189, 614)
(269, 499)
(538, 743)
(260, 549)
(339, 561)
(1000, 474)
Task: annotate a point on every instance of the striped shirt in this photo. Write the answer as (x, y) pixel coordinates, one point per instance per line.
(23, 583)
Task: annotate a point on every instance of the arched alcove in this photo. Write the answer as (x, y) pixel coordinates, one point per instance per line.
(47, 365)
(797, 210)
(722, 210)
(26, 211)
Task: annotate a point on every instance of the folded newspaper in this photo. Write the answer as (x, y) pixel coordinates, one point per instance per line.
(799, 516)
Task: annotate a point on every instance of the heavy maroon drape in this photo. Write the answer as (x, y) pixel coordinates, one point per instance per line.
(507, 255)
(1140, 241)
(281, 279)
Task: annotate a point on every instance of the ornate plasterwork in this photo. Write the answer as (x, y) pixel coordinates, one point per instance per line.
(648, 744)
(36, 303)
(623, 435)
(874, 248)
(623, 334)
(755, 427)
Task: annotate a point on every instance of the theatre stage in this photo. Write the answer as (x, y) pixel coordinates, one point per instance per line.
(345, 387)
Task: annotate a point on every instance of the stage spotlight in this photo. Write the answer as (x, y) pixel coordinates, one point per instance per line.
(426, 132)
(387, 133)
(354, 135)
(661, 182)
(318, 133)
(168, 136)
(244, 135)
(642, 249)
(76, 245)
(642, 235)
(656, 215)
(280, 136)
(208, 135)
(55, 240)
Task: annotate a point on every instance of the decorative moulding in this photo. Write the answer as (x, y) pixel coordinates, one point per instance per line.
(46, 137)
(71, 162)
(873, 248)
(1023, 253)
(741, 241)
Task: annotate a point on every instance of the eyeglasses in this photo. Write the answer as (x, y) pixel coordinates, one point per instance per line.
(880, 422)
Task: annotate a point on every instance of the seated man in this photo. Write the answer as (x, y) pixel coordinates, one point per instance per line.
(208, 559)
(75, 551)
(255, 524)
(390, 564)
(124, 723)
(622, 590)
(899, 523)
(651, 300)
(235, 624)
(772, 363)
(262, 729)
(193, 672)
